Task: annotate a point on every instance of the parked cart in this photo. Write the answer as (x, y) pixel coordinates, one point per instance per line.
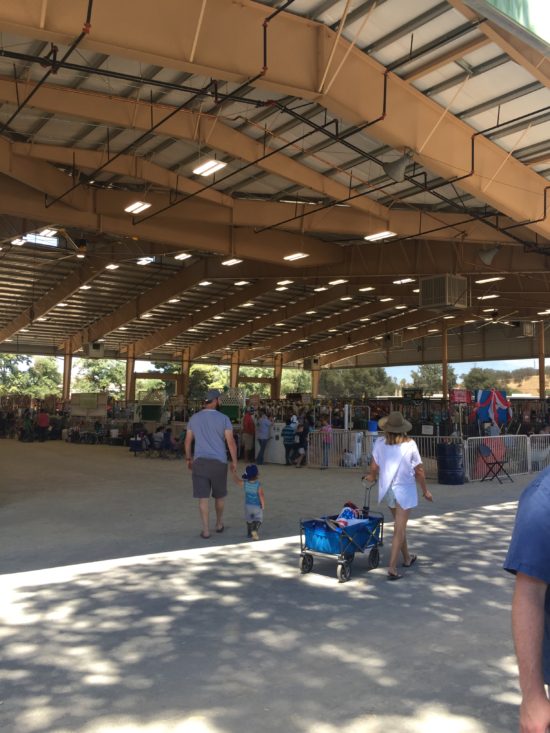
(324, 536)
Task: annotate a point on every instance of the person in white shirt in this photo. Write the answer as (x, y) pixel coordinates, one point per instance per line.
(397, 464)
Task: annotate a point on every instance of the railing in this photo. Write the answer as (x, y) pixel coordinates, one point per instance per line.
(540, 452)
(513, 450)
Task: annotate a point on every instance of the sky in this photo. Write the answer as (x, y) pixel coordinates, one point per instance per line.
(463, 367)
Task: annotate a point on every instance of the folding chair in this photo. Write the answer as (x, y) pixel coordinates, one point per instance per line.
(495, 466)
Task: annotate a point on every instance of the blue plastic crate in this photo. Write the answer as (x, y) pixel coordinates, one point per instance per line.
(319, 537)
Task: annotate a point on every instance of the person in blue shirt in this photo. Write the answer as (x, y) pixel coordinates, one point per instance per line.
(287, 434)
(529, 559)
(253, 500)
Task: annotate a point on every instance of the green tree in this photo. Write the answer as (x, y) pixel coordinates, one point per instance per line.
(100, 375)
(42, 378)
(478, 378)
(295, 380)
(11, 372)
(358, 383)
(429, 378)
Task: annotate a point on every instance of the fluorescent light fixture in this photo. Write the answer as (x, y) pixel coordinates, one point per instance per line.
(147, 315)
(182, 256)
(8, 340)
(337, 282)
(332, 330)
(378, 338)
(204, 283)
(366, 318)
(112, 267)
(279, 324)
(433, 330)
(62, 305)
(346, 297)
(448, 318)
(47, 233)
(320, 289)
(137, 207)
(310, 313)
(282, 287)
(145, 260)
(18, 242)
(242, 282)
(231, 262)
(489, 280)
(543, 313)
(80, 256)
(42, 319)
(285, 282)
(470, 320)
(385, 300)
(400, 307)
(303, 341)
(49, 241)
(193, 330)
(123, 328)
(366, 290)
(412, 328)
(248, 305)
(488, 297)
(380, 235)
(217, 318)
(174, 300)
(416, 290)
(404, 281)
(209, 167)
(23, 330)
(85, 287)
(488, 310)
(295, 256)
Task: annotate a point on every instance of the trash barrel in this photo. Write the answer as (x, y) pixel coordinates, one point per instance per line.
(372, 426)
(450, 463)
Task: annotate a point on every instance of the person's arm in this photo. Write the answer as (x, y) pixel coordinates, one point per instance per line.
(420, 476)
(528, 631)
(262, 498)
(372, 475)
(188, 443)
(232, 448)
(236, 479)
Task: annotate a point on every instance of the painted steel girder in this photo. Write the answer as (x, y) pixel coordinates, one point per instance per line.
(230, 47)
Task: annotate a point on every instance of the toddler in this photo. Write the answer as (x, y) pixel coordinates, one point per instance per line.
(253, 500)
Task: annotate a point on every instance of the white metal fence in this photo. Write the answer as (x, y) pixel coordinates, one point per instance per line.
(520, 454)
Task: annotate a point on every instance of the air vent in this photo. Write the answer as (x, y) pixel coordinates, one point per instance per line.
(444, 291)
(394, 340)
(95, 350)
(311, 363)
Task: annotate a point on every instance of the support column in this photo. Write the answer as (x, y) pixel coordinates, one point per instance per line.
(67, 369)
(183, 381)
(542, 375)
(277, 375)
(130, 376)
(444, 364)
(234, 370)
(315, 375)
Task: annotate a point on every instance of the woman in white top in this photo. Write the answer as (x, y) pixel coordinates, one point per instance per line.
(397, 464)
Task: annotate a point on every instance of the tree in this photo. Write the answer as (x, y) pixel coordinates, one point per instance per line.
(101, 375)
(10, 372)
(429, 378)
(478, 378)
(358, 383)
(294, 381)
(42, 378)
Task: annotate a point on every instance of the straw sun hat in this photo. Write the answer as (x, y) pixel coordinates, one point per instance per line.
(394, 423)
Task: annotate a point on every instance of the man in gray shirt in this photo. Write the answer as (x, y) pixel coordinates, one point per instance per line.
(211, 430)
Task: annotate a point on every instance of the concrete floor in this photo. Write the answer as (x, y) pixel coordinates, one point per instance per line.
(117, 616)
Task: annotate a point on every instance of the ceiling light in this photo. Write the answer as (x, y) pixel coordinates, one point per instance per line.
(80, 256)
(18, 242)
(470, 320)
(137, 207)
(204, 283)
(310, 313)
(242, 282)
(433, 330)
(147, 315)
(320, 289)
(447, 318)
(488, 297)
(279, 324)
(247, 305)
(543, 313)
(285, 282)
(377, 338)
(416, 290)
(295, 256)
(193, 330)
(488, 310)
(209, 167)
(385, 300)
(303, 341)
(217, 318)
(231, 262)
(182, 256)
(412, 328)
(123, 328)
(174, 300)
(47, 233)
(380, 235)
(112, 267)
(332, 330)
(489, 280)
(62, 305)
(366, 290)
(400, 307)
(404, 281)
(85, 287)
(24, 330)
(337, 282)
(8, 340)
(145, 260)
(346, 297)
(282, 287)
(42, 319)
(364, 319)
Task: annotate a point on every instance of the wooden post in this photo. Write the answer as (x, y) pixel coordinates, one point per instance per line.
(444, 364)
(542, 375)
(183, 382)
(67, 369)
(277, 374)
(234, 370)
(315, 375)
(130, 378)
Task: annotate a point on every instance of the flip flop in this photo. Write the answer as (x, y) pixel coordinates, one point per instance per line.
(221, 529)
(412, 562)
(205, 536)
(394, 576)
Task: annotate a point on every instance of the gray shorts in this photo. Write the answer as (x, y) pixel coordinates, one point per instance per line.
(253, 513)
(390, 499)
(209, 478)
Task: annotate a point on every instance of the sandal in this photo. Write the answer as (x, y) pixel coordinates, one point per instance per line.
(412, 562)
(394, 576)
(220, 529)
(205, 536)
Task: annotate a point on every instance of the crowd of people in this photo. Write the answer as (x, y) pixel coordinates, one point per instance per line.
(30, 425)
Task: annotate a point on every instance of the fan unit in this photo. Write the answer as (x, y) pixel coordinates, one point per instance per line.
(311, 363)
(394, 340)
(527, 328)
(444, 291)
(95, 350)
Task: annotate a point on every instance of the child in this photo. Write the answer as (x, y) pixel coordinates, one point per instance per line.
(253, 500)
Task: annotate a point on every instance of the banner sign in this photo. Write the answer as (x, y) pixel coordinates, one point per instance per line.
(461, 396)
(412, 393)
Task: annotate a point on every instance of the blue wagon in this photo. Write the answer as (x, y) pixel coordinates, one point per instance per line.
(323, 536)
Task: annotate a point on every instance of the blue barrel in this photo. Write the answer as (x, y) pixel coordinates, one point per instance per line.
(372, 426)
(450, 463)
